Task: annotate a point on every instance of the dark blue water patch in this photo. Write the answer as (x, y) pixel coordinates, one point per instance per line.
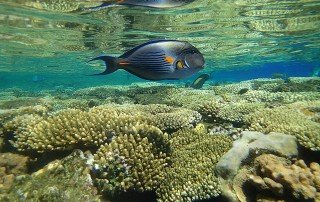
(292, 69)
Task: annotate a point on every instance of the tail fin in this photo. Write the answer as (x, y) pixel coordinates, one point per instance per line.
(111, 64)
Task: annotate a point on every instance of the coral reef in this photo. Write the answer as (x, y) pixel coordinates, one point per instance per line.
(101, 92)
(209, 110)
(8, 114)
(11, 119)
(224, 129)
(252, 144)
(236, 112)
(288, 120)
(190, 98)
(11, 165)
(154, 94)
(244, 150)
(172, 142)
(194, 156)
(283, 179)
(61, 180)
(232, 88)
(2, 143)
(14, 103)
(129, 162)
(162, 116)
(280, 97)
(73, 128)
(228, 112)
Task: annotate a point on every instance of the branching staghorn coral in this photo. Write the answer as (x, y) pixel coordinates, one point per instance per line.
(209, 110)
(190, 98)
(235, 112)
(162, 116)
(8, 114)
(228, 112)
(280, 97)
(130, 162)
(191, 177)
(70, 128)
(232, 88)
(10, 118)
(73, 128)
(18, 123)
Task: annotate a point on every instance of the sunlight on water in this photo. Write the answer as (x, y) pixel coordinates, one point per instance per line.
(231, 34)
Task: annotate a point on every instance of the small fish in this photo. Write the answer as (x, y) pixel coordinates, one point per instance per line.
(144, 3)
(243, 91)
(157, 60)
(198, 83)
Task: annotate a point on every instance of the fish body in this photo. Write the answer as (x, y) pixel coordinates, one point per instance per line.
(199, 81)
(157, 60)
(145, 3)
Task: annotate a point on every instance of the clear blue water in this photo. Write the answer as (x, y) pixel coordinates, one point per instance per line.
(45, 44)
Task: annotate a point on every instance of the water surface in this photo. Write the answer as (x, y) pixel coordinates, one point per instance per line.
(56, 37)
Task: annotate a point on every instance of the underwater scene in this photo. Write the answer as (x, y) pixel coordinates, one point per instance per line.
(160, 100)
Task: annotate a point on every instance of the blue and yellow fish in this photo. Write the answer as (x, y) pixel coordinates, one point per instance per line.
(157, 60)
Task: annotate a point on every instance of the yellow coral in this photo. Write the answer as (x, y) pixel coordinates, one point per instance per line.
(162, 116)
(72, 128)
(129, 163)
(190, 176)
(287, 120)
(235, 112)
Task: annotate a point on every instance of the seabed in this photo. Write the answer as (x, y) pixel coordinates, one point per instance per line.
(256, 140)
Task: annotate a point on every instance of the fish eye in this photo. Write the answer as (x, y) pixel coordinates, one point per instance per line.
(193, 51)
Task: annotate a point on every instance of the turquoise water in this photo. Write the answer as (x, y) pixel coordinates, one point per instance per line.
(250, 133)
(54, 39)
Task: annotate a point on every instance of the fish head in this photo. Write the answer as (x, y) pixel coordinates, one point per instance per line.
(194, 60)
(190, 58)
(188, 61)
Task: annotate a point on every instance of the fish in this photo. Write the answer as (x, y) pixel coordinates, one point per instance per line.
(199, 81)
(157, 60)
(143, 3)
(243, 91)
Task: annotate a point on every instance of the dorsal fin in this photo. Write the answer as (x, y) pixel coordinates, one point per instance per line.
(128, 53)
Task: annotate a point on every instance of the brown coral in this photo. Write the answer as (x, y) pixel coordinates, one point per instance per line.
(281, 177)
(11, 165)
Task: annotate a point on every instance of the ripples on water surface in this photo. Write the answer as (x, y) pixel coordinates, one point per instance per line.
(53, 36)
